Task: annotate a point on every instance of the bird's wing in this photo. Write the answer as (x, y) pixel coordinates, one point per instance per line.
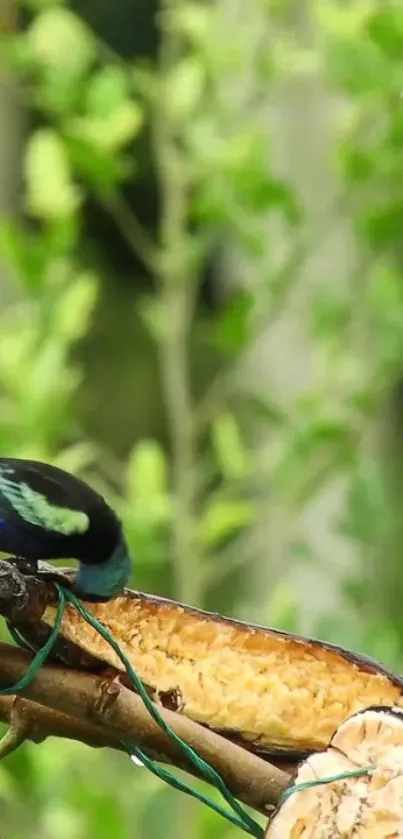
(35, 508)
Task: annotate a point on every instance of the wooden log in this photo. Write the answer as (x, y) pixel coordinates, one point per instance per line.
(368, 806)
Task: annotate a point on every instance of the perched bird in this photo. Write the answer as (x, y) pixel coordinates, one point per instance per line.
(46, 513)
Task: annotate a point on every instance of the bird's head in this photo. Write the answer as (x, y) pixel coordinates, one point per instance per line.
(100, 581)
(48, 514)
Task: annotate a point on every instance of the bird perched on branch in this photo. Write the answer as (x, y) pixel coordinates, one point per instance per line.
(46, 513)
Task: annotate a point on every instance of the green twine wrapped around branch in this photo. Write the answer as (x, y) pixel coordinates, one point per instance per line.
(239, 816)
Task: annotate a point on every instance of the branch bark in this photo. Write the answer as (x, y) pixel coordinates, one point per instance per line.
(101, 712)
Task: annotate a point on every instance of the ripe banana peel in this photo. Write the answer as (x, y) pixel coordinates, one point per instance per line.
(278, 694)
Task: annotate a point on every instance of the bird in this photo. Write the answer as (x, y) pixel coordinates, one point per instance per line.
(48, 514)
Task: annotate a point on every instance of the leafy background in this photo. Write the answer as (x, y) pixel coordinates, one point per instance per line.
(202, 314)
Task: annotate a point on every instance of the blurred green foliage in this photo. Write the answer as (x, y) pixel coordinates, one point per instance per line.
(190, 496)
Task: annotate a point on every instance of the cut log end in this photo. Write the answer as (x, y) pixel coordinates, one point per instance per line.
(368, 806)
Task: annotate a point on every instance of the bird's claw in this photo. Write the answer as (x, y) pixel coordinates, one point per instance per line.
(26, 566)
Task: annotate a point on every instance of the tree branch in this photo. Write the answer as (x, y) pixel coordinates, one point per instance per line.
(132, 231)
(101, 712)
(177, 278)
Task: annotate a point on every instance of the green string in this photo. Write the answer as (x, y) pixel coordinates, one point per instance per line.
(241, 817)
(42, 654)
(353, 773)
(245, 821)
(176, 783)
(19, 639)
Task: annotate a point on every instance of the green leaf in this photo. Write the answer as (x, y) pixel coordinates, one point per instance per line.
(224, 519)
(385, 294)
(320, 446)
(358, 67)
(382, 222)
(102, 170)
(15, 349)
(330, 315)
(25, 253)
(183, 87)
(112, 133)
(234, 326)
(61, 42)
(51, 194)
(230, 451)
(106, 91)
(112, 118)
(359, 165)
(367, 515)
(193, 20)
(73, 309)
(146, 537)
(59, 93)
(46, 379)
(385, 28)
(147, 472)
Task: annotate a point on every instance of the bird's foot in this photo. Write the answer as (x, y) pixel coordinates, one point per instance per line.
(26, 566)
(50, 574)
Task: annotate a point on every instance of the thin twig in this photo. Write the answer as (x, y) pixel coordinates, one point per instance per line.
(132, 231)
(177, 291)
(17, 732)
(44, 722)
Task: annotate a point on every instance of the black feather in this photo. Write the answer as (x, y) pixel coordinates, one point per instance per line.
(47, 513)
